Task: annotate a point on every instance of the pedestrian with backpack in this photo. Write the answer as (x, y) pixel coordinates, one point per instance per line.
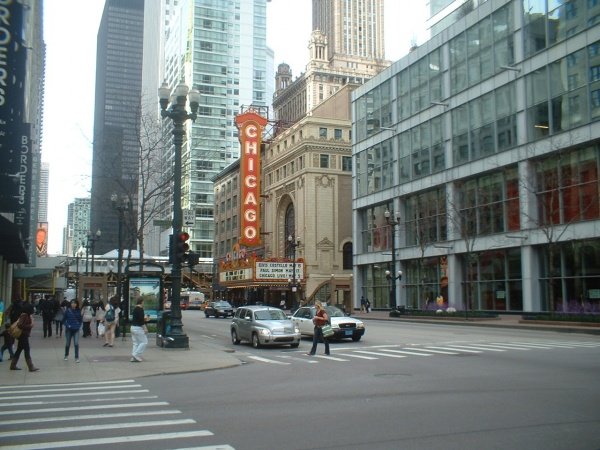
(111, 321)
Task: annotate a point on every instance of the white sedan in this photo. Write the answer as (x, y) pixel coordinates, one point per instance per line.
(344, 326)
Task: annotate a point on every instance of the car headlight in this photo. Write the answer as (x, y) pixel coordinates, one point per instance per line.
(360, 325)
(335, 325)
(296, 330)
(264, 331)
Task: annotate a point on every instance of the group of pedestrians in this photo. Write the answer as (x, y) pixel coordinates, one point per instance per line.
(72, 318)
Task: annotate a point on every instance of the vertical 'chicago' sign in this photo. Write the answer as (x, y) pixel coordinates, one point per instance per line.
(250, 125)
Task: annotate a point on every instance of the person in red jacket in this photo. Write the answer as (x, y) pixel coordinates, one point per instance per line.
(25, 324)
(321, 318)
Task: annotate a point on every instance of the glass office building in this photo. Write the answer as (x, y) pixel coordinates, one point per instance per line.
(476, 160)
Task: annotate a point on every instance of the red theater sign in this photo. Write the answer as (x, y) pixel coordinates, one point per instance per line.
(250, 125)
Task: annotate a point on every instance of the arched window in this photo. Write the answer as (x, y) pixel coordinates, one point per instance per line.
(289, 230)
(347, 256)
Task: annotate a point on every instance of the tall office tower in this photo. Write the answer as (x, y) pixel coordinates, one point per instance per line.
(116, 151)
(346, 47)
(353, 29)
(78, 224)
(220, 48)
(43, 195)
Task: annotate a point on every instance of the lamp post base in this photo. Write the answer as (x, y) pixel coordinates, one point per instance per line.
(179, 341)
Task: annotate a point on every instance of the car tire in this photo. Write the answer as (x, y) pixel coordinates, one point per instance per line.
(255, 341)
(234, 337)
(295, 345)
(356, 338)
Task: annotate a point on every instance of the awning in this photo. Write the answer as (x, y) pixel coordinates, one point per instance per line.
(12, 247)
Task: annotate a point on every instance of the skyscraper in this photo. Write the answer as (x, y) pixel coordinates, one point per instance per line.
(354, 29)
(346, 46)
(218, 47)
(116, 116)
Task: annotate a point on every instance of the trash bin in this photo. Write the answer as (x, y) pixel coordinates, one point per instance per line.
(163, 326)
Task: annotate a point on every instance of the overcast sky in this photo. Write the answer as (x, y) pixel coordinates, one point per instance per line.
(70, 75)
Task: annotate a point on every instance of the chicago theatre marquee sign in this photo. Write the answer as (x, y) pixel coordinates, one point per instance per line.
(240, 269)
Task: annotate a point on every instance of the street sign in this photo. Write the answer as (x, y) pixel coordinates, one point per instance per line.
(189, 218)
(161, 223)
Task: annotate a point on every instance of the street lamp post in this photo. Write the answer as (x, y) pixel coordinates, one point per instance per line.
(295, 281)
(91, 244)
(121, 209)
(179, 115)
(78, 254)
(393, 223)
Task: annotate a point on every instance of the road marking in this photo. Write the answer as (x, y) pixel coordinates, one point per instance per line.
(270, 361)
(477, 347)
(442, 352)
(405, 352)
(299, 359)
(91, 385)
(158, 412)
(117, 440)
(352, 355)
(76, 394)
(457, 349)
(108, 426)
(330, 357)
(73, 389)
(83, 408)
(380, 354)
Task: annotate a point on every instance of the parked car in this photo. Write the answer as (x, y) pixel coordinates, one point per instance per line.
(264, 325)
(219, 309)
(344, 326)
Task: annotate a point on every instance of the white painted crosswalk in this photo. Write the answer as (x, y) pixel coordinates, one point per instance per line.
(375, 352)
(80, 415)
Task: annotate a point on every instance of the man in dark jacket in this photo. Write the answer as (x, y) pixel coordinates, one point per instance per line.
(47, 311)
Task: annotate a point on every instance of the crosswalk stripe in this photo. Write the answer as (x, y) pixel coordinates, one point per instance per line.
(93, 384)
(83, 408)
(449, 347)
(405, 352)
(74, 389)
(352, 355)
(477, 347)
(158, 412)
(380, 354)
(333, 358)
(73, 408)
(294, 358)
(442, 352)
(76, 394)
(107, 426)
(271, 361)
(116, 440)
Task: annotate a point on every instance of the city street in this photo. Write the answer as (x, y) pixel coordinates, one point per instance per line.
(415, 386)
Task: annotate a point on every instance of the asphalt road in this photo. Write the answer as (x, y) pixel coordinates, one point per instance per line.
(411, 386)
(405, 385)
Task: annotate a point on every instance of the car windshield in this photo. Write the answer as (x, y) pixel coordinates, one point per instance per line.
(273, 314)
(222, 305)
(334, 311)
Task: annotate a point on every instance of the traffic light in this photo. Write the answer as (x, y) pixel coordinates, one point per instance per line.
(192, 259)
(180, 246)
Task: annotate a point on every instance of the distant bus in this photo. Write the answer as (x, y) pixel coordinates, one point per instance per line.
(192, 299)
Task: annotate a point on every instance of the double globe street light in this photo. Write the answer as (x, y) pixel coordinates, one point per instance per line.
(179, 115)
(391, 275)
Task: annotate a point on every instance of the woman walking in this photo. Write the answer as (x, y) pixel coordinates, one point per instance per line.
(88, 316)
(73, 321)
(111, 321)
(99, 318)
(321, 318)
(25, 324)
(58, 318)
(138, 331)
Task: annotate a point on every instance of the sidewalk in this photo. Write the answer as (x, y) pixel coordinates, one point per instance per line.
(98, 363)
